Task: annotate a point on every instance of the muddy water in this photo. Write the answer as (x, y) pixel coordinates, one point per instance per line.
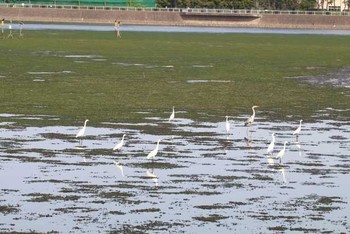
(202, 180)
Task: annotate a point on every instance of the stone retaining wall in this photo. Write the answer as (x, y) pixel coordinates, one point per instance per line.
(306, 21)
(173, 18)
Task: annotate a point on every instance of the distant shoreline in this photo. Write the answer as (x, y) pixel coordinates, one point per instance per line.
(100, 16)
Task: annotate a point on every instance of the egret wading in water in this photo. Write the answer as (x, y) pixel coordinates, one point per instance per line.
(250, 120)
(271, 145)
(81, 132)
(297, 131)
(227, 125)
(281, 154)
(120, 144)
(154, 152)
(172, 116)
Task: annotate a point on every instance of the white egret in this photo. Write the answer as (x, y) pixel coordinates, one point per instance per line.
(227, 126)
(172, 116)
(297, 131)
(120, 167)
(272, 144)
(154, 152)
(250, 120)
(120, 144)
(82, 131)
(280, 154)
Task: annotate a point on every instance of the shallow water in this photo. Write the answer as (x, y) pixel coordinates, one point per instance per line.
(202, 179)
(184, 29)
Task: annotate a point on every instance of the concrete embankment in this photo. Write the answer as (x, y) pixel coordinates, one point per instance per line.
(173, 18)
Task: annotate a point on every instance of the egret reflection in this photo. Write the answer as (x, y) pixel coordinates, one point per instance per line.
(151, 175)
(300, 150)
(249, 142)
(281, 170)
(270, 161)
(120, 167)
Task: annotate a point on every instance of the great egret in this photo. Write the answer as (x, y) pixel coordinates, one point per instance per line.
(154, 152)
(172, 116)
(250, 120)
(271, 145)
(297, 131)
(82, 131)
(227, 126)
(120, 144)
(282, 152)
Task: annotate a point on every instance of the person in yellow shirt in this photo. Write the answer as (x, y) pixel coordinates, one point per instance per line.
(2, 25)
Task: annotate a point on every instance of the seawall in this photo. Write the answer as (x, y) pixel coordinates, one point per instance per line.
(173, 18)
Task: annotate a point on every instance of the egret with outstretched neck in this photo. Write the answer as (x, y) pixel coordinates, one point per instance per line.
(250, 120)
(172, 116)
(281, 154)
(297, 131)
(82, 131)
(120, 144)
(154, 152)
(272, 144)
(227, 125)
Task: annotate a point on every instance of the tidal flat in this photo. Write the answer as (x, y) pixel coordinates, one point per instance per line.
(202, 179)
(79, 74)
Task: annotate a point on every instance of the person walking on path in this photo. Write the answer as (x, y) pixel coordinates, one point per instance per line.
(116, 29)
(20, 29)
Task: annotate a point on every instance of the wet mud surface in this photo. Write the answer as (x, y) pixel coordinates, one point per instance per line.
(202, 180)
(339, 78)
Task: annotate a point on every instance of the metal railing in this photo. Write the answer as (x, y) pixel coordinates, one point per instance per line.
(184, 10)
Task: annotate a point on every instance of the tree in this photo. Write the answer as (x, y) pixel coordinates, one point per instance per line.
(242, 4)
(308, 4)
